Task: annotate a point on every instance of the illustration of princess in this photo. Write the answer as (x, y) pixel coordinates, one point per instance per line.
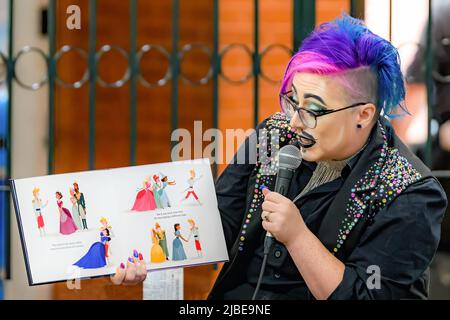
(96, 257)
(145, 199)
(156, 253)
(75, 213)
(162, 193)
(157, 185)
(190, 190)
(161, 236)
(177, 246)
(107, 231)
(66, 224)
(37, 208)
(195, 233)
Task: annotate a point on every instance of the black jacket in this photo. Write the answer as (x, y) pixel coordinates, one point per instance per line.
(398, 236)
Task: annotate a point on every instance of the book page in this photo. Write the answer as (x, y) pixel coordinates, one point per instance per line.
(84, 224)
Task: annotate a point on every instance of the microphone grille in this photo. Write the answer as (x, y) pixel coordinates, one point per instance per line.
(289, 157)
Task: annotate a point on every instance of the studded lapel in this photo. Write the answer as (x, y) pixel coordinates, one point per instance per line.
(380, 175)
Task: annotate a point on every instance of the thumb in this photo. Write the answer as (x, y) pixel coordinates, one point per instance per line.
(265, 191)
(119, 276)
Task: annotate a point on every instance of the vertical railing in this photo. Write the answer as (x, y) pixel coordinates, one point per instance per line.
(9, 79)
(429, 83)
(357, 8)
(92, 79)
(304, 20)
(51, 27)
(215, 80)
(133, 81)
(390, 20)
(256, 62)
(174, 62)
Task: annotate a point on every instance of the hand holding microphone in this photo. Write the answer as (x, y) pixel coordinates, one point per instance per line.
(281, 218)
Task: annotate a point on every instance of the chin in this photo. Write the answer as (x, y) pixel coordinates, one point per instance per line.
(310, 154)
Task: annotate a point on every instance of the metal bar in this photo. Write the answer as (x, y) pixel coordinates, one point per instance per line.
(92, 79)
(215, 80)
(256, 65)
(51, 27)
(390, 20)
(304, 21)
(429, 83)
(133, 80)
(357, 9)
(353, 8)
(174, 62)
(9, 138)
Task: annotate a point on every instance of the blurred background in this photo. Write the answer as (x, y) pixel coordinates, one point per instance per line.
(109, 92)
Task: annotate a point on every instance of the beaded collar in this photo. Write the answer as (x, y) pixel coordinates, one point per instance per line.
(386, 178)
(278, 131)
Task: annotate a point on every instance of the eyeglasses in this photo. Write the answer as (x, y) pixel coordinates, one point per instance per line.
(307, 116)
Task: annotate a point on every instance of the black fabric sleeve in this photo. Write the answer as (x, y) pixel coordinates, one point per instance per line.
(231, 186)
(400, 244)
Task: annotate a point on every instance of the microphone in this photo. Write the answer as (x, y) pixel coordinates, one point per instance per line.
(289, 159)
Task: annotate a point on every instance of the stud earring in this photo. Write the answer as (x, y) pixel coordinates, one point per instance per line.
(359, 126)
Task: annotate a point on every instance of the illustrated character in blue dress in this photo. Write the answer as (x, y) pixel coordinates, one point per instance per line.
(177, 246)
(97, 255)
(162, 193)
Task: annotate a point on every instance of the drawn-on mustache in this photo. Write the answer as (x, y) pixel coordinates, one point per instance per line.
(306, 140)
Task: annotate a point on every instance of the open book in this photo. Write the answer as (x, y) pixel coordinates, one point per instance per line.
(84, 224)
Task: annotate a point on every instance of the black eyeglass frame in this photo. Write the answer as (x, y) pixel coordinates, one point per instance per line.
(315, 114)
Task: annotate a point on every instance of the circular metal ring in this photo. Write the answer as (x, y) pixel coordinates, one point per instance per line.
(225, 50)
(441, 78)
(77, 84)
(189, 47)
(264, 52)
(167, 76)
(119, 83)
(36, 85)
(445, 41)
(437, 76)
(4, 60)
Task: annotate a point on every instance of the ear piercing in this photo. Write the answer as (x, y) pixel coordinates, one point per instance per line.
(359, 126)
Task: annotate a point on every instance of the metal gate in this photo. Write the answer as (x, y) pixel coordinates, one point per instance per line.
(304, 17)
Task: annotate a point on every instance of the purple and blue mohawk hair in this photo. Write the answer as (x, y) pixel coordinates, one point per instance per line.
(345, 44)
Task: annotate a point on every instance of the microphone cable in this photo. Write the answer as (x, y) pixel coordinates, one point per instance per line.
(268, 242)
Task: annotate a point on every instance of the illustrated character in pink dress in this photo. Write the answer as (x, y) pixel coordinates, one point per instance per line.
(145, 199)
(66, 223)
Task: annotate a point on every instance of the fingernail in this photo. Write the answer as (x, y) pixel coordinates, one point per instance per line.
(264, 187)
(141, 257)
(136, 253)
(122, 266)
(130, 259)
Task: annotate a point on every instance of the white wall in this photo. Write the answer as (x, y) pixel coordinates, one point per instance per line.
(29, 134)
